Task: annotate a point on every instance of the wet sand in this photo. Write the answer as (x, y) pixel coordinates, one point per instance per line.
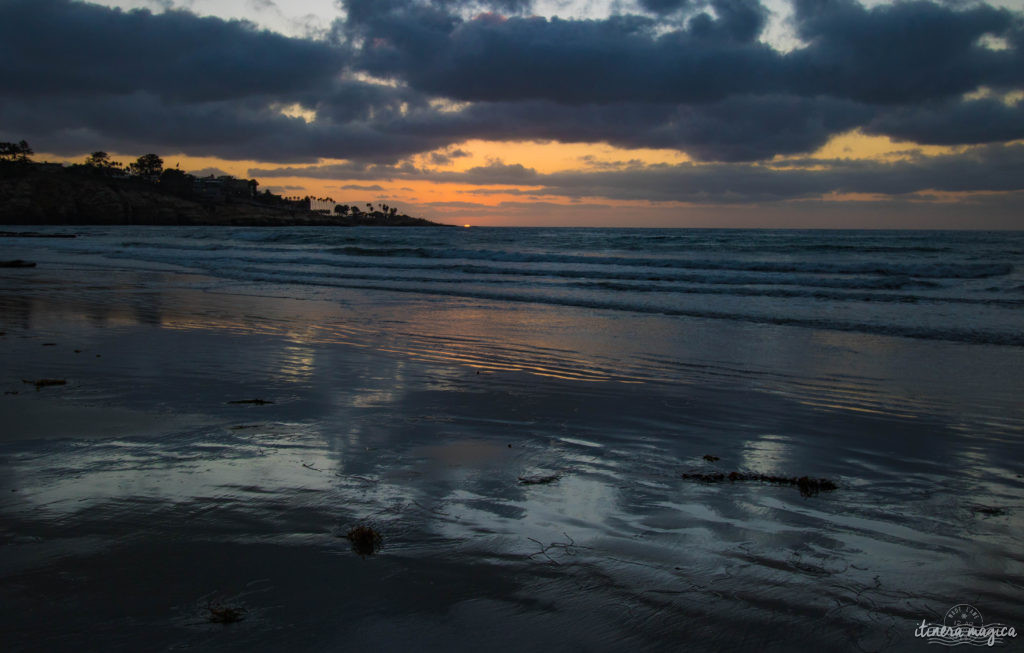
(137, 496)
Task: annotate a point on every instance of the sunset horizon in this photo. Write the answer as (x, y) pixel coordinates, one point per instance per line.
(511, 325)
(726, 113)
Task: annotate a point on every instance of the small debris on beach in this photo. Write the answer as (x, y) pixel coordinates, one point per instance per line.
(365, 540)
(255, 402)
(239, 427)
(49, 344)
(711, 459)
(43, 383)
(808, 486)
(539, 480)
(17, 263)
(78, 351)
(990, 511)
(569, 548)
(222, 614)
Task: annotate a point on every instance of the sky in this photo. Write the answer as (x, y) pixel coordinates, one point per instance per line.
(647, 113)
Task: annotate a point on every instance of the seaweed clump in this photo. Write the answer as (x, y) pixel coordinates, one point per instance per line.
(365, 540)
(222, 614)
(43, 383)
(539, 480)
(805, 484)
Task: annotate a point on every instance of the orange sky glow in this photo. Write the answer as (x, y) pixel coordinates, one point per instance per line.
(508, 204)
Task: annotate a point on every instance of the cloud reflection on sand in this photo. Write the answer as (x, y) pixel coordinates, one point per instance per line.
(402, 432)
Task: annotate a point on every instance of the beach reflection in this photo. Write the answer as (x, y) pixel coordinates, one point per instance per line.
(391, 425)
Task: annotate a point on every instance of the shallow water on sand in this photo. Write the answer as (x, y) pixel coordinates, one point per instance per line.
(135, 496)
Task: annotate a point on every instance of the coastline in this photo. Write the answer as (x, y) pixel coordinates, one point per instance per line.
(421, 419)
(48, 194)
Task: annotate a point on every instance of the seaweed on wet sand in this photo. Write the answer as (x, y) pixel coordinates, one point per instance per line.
(711, 459)
(223, 614)
(365, 540)
(539, 480)
(43, 383)
(807, 485)
(255, 402)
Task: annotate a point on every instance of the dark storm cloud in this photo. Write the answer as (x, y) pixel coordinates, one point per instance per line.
(899, 53)
(984, 120)
(988, 168)
(617, 59)
(734, 129)
(690, 75)
(56, 47)
(889, 54)
(993, 168)
(232, 130)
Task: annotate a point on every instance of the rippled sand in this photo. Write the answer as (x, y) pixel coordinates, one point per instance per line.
(136, 497)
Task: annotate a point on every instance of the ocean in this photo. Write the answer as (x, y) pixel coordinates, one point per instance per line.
(534, 419)
(953, 286)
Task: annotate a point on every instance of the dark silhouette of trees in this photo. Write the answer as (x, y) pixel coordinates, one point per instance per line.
(99, 162)
(175, 181)
(19, 152)
(147, 165)
(341, 209)
(99, 159)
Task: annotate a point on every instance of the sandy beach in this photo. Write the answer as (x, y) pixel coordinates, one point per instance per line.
(523, 463)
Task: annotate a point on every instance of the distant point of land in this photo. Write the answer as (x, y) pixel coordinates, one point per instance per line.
(101, 191)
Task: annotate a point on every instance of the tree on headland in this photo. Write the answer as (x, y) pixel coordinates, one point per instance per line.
(147, 165)
(19, 152)
(341, 209)
(175, 181)
(99, 162)
(99, 159)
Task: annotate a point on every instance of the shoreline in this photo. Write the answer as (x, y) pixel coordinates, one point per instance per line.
(421, 419)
